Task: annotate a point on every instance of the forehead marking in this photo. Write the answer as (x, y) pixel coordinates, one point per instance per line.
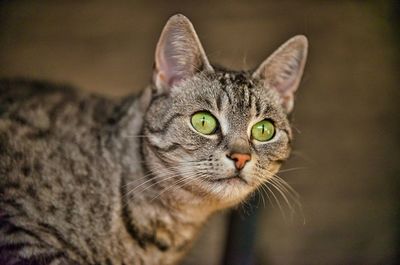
(246, 96)
(236, 86)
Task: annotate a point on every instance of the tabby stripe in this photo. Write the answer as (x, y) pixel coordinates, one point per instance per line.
(246, 96)
(10, 185)
(279, 161)
(142, 239)
(267, 110)
(242, 99)
(13, 229)
(160, 158)
(165, 125)
(31, 191)
(220, 139)
(171, 147)
(251, 97)
(55, 110)
(22, 121)
(43, 259)
(219, 102)
(258, 108)
(70, 206)
(289, 135)
(154, 98)
(91, 246)
(66, 244)
(227, 94)
(17, 206)
(15, 247)
(157, 154)
(208, 102)
(141, 151)
(126, 217)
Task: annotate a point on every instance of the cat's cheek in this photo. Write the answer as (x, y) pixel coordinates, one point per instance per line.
(274, 168)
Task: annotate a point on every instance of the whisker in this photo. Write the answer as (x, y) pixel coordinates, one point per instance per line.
(164, 178)
(176, 185)
(266, 193)
(283, 182)
(303, 156)
(276, 199)
(291, 169)
(287, 186)
(261, 196)
(281, 193)
(157, 170)
(291, 192)
(284, 188)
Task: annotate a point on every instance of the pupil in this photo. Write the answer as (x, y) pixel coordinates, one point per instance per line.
(262, 130)
(203, 121)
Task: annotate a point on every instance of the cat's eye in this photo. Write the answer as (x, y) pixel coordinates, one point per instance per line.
(204, 122)
(263, 131)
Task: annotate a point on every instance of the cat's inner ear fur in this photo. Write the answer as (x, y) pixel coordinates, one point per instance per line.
(179, 54)
(283, 70)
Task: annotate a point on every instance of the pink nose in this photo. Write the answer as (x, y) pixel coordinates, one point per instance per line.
(239, 159)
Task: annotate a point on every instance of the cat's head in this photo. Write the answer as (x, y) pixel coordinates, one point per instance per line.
(217, 133)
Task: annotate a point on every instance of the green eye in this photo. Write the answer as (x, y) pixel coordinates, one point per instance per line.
(263, 131)
(204, 122)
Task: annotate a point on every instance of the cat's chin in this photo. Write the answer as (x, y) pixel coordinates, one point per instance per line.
(228, 190)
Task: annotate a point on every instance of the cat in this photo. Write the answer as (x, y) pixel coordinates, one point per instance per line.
(86, 179)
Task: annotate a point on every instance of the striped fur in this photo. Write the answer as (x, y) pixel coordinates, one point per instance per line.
(89, 180)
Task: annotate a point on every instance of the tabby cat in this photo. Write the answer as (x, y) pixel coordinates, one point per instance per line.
(89, 180)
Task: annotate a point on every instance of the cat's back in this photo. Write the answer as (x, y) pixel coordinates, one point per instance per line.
(41, 104)
(46, 129)
(18, 92)
(41, 121)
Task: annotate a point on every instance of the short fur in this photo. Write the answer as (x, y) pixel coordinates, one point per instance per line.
(90, 180)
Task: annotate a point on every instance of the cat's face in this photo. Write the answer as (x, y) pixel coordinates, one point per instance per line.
(215, 133)
(204, 157)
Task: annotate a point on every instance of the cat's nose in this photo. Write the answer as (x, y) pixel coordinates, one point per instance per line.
(239, 159)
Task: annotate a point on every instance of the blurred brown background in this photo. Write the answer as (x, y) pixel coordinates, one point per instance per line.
(346, 115)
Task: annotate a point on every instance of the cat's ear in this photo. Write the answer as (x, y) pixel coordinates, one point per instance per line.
(283, 70)
(179, 53)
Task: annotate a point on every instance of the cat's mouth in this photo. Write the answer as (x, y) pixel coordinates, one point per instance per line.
(231, 180)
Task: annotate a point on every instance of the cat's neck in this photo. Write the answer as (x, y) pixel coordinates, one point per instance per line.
(159, 223)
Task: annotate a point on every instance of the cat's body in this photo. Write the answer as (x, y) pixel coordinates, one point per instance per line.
(63, 176)
(89, 180)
